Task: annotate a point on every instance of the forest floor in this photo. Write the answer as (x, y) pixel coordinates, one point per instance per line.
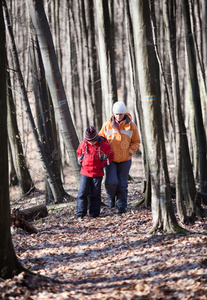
(110, 257)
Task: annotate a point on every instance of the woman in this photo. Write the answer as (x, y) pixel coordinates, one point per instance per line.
(123, 137)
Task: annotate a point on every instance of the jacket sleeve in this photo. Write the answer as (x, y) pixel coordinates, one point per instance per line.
(135, 140)
(110, 155)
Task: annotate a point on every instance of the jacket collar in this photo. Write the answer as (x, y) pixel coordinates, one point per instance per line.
(127, 119)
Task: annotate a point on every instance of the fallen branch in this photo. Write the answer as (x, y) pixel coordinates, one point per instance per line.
(21, 218)
(20, 222)
(34, 213)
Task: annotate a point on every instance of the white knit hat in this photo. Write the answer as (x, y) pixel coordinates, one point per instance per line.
(119, 108)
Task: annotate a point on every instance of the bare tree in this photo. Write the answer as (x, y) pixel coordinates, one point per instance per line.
(44, 120)
(108, 81)
(54, 80)
(200, 131)
(23, 175)
(93, 66)
(148, 75)
(147, 184)
(53, 183)
(9, 265)
(185, 189)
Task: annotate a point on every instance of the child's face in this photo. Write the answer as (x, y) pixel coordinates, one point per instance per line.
(92, 143)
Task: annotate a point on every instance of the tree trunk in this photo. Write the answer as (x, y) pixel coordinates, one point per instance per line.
(44, 123)
(168, 9)
(29, 112)
(23, 175)
(147, 68)
(108, 12)
(55, 82)
(74, 74)
(147, 197)
(9, 265)
(109, 95)
(93, 66)
(196, 96)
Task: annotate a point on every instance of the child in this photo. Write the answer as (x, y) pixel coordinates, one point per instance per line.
(93, 154)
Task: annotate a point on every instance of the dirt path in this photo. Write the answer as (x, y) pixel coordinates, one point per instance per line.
(110, 257)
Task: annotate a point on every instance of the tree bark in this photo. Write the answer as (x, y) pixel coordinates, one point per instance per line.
(9, 265)
(55, 82)
(147, 68)
(147, 197)
(29, 112)
(44, 120)
(30, 214)
(23, 175)
(168, 8)
(196, 96)
(93, 67)
(109, 95)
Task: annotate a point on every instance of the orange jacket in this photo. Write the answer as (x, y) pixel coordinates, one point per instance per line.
(124, 141)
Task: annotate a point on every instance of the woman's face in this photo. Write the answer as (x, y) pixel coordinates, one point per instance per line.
(119, 117)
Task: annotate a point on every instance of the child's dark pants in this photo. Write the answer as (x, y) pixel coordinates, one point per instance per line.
(89, 186)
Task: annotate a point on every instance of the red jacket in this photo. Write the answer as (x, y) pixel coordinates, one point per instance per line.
(93, 158)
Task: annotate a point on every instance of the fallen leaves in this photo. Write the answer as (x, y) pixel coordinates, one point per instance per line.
(110, 257)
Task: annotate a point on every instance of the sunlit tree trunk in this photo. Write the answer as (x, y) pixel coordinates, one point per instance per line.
(39, 145)
(74, 81)
(109, 90)
(148, 75)
(81, 56)
(86, 68)
(93, 67)
(44, 121)
(147, 189)
(55, 84)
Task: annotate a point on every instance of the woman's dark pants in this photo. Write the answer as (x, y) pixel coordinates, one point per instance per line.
(116, 184)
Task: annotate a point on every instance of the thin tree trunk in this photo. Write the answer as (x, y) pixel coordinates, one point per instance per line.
(23, 175)
(80, 46)
(86, 68)
(9, 265)
(96, 94)
(109, 95)
(74, 75)
(109, 37)
(147, 196)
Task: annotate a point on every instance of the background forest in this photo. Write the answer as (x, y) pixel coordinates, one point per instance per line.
(69, 62)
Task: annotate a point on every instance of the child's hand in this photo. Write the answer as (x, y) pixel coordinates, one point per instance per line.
(103, 157)
(105, 162)
(80, 159)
